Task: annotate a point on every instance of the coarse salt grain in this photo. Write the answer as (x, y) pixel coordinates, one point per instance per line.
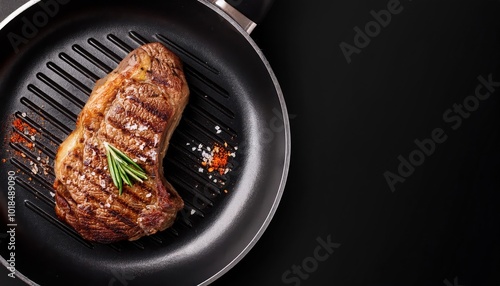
(131, 126)
(206, 155)
(148, 195)
(34, 169)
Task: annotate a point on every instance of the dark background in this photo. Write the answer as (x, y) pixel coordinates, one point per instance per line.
(351, 121)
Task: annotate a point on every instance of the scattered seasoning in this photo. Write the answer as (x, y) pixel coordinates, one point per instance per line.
(16, 138)
(18, 124)
(25, 129)
(34, 168)
(218, 130)
(216, 159)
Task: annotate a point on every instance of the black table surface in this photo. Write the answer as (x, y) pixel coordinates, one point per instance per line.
(394, 177)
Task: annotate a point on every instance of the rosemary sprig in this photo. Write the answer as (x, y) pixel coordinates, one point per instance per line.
(122, 168)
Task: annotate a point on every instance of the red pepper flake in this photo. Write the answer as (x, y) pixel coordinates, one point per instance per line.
(16, 138)
(18, 124)
(217, 159)
(23, 128)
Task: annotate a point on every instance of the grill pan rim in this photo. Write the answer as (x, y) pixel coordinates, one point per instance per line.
(4, 23)
(287, 131)
(286, 126)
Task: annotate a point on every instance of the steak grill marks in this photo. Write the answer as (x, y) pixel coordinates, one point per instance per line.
(126, 101)
(95, 57)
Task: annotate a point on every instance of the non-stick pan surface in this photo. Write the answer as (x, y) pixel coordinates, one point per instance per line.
(51, 54)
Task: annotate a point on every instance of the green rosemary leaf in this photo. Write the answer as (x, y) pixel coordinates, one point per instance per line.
(139, 173)
(125, 157)
(111, 167)
(132, 173)
(123, 174)
(122, 169)
(116, 157)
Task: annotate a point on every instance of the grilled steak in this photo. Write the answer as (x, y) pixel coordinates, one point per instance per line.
(136, 109)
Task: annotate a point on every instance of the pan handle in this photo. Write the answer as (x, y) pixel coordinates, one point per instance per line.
(246, 12)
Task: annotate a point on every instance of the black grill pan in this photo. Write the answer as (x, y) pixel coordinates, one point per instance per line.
(45, 81)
